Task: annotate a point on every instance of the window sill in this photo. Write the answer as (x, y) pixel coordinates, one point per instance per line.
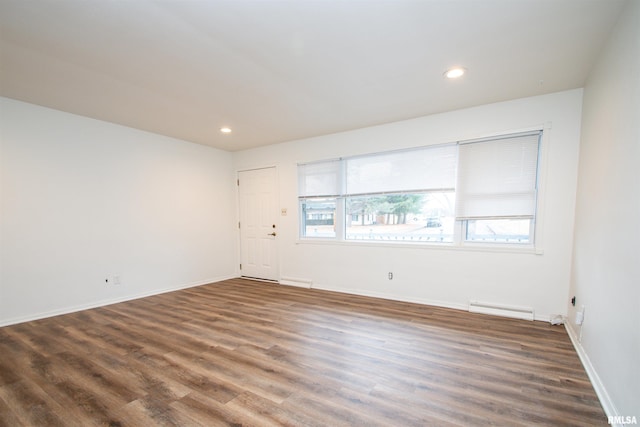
(467, 246)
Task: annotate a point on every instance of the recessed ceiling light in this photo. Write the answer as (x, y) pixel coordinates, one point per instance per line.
(225, 129)
(454, 73)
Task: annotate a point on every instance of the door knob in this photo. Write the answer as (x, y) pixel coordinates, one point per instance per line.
(272, 234)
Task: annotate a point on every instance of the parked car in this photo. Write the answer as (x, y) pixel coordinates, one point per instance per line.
(434, 222)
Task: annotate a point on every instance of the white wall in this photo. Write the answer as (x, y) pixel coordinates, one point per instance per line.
(606, 265)
(442, 276)
(83, 199)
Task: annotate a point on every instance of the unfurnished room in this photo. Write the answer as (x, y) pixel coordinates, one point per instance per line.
(319, 213)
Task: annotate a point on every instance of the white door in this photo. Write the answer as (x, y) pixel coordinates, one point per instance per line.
(258, 228)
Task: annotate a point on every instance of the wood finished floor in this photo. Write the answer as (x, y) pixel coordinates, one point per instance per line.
(245, 353)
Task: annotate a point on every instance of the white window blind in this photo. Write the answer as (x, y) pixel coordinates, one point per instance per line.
(321, 179)
(498, 178)
(416, 170)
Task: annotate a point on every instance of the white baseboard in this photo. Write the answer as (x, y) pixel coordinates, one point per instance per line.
(605, 400)
(541, 317)
(300, 283)
(392, 297)
(102, 303)
(464, 307)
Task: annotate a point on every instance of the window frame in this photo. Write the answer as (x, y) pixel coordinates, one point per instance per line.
(460, 227)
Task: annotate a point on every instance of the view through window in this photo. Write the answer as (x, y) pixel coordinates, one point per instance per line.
(414, 217)
(476, 192)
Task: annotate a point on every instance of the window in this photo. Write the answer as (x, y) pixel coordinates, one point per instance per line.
(319, 188)
(401, 195)
(497, 188)
(473, 191)
(499, 230)
(401, 217)
(319, 217)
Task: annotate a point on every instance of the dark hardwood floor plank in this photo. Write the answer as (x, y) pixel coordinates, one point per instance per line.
(247, 353)
(7, 417)
(29, 404)
(212, 412)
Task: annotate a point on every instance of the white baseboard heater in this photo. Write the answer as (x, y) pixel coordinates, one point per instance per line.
(300, 283)
(516, 312)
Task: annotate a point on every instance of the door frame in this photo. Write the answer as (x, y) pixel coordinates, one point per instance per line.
(276, 219)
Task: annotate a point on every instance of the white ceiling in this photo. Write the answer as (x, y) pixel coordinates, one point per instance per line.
(279, 70)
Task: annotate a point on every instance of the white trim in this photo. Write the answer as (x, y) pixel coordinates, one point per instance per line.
(536, 244)
(543, 168)
(502, 136)
(300, 283)
(276, 166)
(277, 220)
(542, 317)
(516, 248)
(308, 284)
(102, 303)
(605, 400)
(258, 279)
(391, 297)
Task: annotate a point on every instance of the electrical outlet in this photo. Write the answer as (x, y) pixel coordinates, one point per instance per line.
(114, 280)
(390, 275)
